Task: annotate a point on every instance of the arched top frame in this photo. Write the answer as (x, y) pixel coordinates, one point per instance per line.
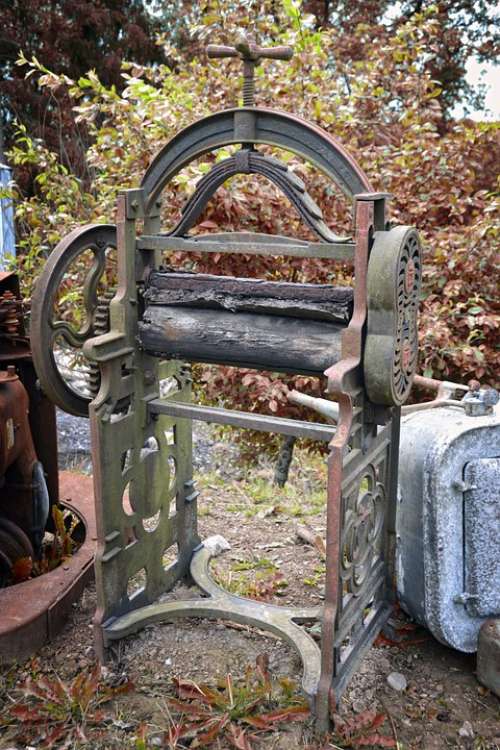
(249, 125)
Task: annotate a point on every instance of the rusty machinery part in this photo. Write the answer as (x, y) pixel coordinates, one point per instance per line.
(5, 569)
(45, 330)
(393, 290)
(24, 498)
(11, 312)
(35, 610)
(255, 125)
(251, 55)
(14, 546)
(19, 542)
(247, 161)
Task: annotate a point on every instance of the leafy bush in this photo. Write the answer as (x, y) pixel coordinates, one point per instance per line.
(385, 110)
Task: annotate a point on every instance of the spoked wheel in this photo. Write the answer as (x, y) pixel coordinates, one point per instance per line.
(69, 306)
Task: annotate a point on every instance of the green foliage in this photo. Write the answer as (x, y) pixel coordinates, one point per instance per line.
(69, 37)
(257, 495)
(318, 577)
(253, 583)
(240, 712)
(385, 108)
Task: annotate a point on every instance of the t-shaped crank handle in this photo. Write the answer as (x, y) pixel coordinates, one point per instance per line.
(251, 55)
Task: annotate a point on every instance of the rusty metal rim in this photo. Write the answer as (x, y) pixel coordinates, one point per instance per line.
(34, 611)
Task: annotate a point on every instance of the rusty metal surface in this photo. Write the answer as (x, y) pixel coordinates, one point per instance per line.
(23, 494)
(219, 604)
(391, 349)
(357, 599)
(42, 420)
(262, 422)
(248, 243)
(34, 611)
(11, 307)
(15, 351)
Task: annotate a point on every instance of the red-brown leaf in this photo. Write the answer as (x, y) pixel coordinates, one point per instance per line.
(238, 738)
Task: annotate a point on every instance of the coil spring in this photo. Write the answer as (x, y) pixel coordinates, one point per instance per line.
(10, 314)
(248, 91)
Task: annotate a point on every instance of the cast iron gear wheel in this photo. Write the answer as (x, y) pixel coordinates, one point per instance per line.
(50, 330)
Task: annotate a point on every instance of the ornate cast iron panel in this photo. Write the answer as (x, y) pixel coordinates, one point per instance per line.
(141, 417)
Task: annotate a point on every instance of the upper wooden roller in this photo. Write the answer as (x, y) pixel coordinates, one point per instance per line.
(276, 326)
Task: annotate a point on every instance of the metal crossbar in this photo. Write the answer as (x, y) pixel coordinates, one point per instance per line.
(262, 422)
(344, 251)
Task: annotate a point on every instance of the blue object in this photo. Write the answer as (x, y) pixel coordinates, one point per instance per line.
(7, 235)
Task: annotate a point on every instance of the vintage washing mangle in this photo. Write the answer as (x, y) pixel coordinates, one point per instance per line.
(363, 339)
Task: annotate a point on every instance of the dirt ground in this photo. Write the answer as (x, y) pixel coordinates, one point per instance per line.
(442, 706)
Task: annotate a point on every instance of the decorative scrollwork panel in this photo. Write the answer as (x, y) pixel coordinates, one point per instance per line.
(147, 504)
(363, 567)
(362, 530)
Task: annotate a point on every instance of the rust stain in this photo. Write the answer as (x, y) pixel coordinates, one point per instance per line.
(34, 611)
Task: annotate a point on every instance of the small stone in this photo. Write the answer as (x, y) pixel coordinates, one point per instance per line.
(216, 544)
(397, 681)
(466, 730)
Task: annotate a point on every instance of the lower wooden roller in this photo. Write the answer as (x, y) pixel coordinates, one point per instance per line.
(266, 342)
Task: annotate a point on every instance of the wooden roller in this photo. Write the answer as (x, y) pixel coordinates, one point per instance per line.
(282, 327)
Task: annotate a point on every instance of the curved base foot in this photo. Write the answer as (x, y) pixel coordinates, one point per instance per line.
(219, 604)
